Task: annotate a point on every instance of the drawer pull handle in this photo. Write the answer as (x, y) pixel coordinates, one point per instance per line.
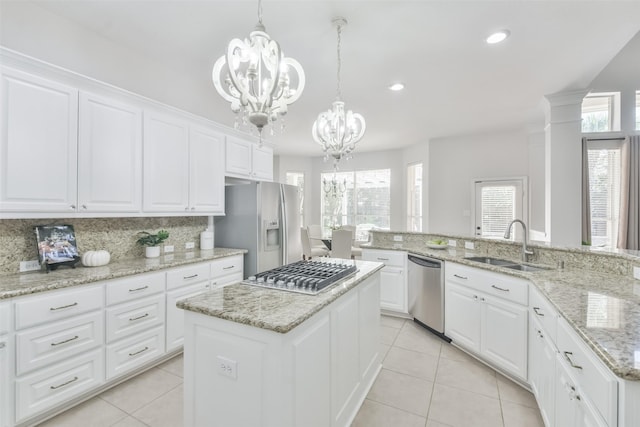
(54, 387)
(64, 306)
(139, 289)
(499, 288)
(53, 344)
(229, 267)
(190, 277)
(139, 351)
(460, 277)
(535, 309)
(383, 259)
(131, 319)
(573, 365)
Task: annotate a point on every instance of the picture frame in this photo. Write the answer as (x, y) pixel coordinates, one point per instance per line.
(56, 246)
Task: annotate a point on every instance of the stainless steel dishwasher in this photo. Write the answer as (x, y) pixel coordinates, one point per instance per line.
(426, 293)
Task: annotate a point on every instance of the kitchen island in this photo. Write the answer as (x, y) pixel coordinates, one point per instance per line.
(267, 357)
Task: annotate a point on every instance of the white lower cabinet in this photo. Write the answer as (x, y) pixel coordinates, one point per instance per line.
(130, 353)
(542, 370)
(6, 375)
(393, 278)
(492, 327)
(175, 316)
(58, 383)
(126, 319)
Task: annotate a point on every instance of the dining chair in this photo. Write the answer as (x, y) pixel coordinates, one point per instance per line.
(356, 251)
(309, 251)
(341, 244)
(315, 236)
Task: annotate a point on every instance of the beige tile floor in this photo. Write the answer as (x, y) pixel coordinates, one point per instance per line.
(424, 382)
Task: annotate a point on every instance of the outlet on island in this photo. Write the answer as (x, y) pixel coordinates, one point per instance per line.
(227, 367)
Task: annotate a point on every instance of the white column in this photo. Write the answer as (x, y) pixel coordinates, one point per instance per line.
(563, 167)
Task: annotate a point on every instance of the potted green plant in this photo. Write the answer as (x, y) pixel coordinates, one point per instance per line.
(151, 242)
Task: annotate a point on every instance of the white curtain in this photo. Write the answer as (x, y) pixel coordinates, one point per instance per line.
(586, 201)
(629, 225)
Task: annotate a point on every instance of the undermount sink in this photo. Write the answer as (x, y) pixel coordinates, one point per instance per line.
(504, 263)
(489, 260)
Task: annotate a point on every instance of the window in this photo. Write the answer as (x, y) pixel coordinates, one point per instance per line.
(360, 198)
(297, 179)
(604, 192)
(414, 197)
(601, 112)
(497, 203)
(638, 110)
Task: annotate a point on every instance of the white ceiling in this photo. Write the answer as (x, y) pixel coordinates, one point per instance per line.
(455, 83)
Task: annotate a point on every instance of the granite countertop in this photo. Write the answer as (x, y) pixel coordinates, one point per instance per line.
(272, 309)
(29, 283)
(604, 309)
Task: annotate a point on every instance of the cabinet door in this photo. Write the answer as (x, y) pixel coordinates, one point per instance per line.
(238, 157)
(262, 163)
(175, 315)
(166, 164)
(206, 171)
(392, 289)
(369, 326)
(565, 402)
(109, 156)
(503, 335)
(38, 145)
(542, 363)
(7, 381)
(462, 316)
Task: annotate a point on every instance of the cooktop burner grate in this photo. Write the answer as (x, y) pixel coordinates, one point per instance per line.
(307, 277)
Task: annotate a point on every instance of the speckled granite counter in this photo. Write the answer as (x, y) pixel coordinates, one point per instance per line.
(28, 283)
(271, 309)
(603, 308)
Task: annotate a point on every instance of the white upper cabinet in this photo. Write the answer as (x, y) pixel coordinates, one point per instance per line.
(183, 167)
(244, 159)
(109, 156)
(38, 146)
(206, 171)
(166, 164)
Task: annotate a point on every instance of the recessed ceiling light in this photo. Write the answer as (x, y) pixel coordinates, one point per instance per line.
(498, 36)
(396, 87)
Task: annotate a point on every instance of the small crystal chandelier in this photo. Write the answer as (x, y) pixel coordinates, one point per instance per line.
(255, 77)
(337, 130)
(334, 188)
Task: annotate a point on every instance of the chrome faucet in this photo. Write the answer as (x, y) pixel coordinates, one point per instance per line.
(507, 235)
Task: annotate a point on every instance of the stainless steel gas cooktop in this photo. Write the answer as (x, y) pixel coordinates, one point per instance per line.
(306, 277)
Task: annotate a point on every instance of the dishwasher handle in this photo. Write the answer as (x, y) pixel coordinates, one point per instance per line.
(425, 262)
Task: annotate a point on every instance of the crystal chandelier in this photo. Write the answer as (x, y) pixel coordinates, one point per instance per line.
(334, 188)
(337, 130)
(256, 78)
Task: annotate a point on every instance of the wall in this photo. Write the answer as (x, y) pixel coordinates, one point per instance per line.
(455, 162)
(116, 235)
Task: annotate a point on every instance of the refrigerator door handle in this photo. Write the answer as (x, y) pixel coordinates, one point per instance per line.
(283, 227)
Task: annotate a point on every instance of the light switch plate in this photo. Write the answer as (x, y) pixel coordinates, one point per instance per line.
(397, 238)
(469, 245)
(29, 265)
(452, 243)
(636, 272)
(168, 249)
(189, 245)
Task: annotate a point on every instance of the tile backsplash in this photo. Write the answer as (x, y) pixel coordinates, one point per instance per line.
(116, 235)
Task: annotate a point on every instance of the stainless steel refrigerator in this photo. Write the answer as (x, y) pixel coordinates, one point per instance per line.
(263, 217)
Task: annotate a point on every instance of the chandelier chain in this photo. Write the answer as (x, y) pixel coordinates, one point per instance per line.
(260, 11)
(338, 91)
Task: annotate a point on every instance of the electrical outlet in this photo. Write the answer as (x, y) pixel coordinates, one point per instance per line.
(469, 245)
(168, 249)
(636, 272)
(189, 245)
(452, 243)
(227, 367)
(29, 265)
(397, 238)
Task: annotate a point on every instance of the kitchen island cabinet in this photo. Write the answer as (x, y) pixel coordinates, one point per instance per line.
(267, 357)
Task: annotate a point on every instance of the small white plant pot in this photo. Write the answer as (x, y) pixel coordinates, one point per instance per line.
(152, 251)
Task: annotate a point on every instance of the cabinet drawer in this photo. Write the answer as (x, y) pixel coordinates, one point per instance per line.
(220, 282)
(461, 274)
(227, 266)
(122, 290)
(395, 258)
(52, 306)
(187, 275)
(45, 345)
(595, 380)
(542, 310)
(135, 351)
(59, 383)
(126, 319)
(507, 287)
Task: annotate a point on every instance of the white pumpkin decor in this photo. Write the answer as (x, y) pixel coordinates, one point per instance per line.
(95, 258)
